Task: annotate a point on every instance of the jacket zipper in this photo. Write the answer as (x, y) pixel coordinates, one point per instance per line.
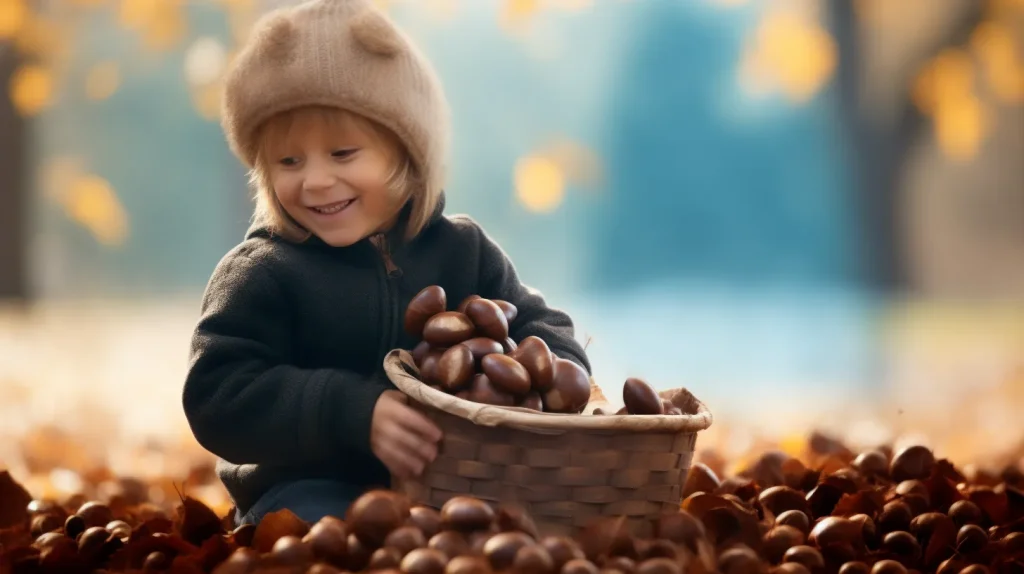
(392, 273)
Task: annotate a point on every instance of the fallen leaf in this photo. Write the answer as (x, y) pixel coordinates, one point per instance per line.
(868, 502)
(275, 525)
(196, 522)
(14, 501)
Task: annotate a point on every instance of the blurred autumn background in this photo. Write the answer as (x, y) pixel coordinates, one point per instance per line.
(809, 212)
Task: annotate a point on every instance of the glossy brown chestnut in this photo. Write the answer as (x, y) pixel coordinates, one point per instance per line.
(532, 401)
(482, 390)
(428, 367)
(448, 328)
(659, 566)
(481, 347)
(376, 513)
(508, 309)
(468, 565)
(328, 540)
(780, 539)
(424, 561)
(419, 352)
(571, 389)
(455, 368)
(489, 319)
(506, 374)
(509, 346)
(534, 354)
(533, 559)
(809, 556)
(405, 539)
(428, 302)
(450, 542)
(579, 566)
(795, 518)
(466, 514)
(912, 462)
(426, 519)
(501, 548)
(640, 398)
(465, 302)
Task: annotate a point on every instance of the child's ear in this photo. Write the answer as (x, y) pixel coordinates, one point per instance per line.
(375, 34)
(278, 39)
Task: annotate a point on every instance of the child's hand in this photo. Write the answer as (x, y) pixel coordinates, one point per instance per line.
(402, 438)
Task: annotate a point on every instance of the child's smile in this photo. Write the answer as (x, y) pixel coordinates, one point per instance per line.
(334, 208)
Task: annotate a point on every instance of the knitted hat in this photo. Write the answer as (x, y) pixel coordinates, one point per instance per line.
(338, 53)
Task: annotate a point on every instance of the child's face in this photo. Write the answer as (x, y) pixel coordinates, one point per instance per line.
(330, 175)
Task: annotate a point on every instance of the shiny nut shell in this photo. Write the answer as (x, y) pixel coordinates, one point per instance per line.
(532, 401)
(455, 368)
(482, 390)
(506, 373)
(465, 303)
(534, 354)
(571, 389)
(640, 398)
(510, 310)
(466, 514)
(428, 370)
(481, 347)
(489, 319)
(427, 303)
(447, 329)
(375, 514)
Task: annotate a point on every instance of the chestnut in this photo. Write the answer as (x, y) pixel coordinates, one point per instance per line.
(533, 559)
(426, 519)
(534, 354)
(808, 556)
(780, 539)
(450, 542)
(424, 561)
(427, 303)
(481, 347)
(509, 346)
(854, 567)
(448, 328)
(375, 514)
(465, 303)
(659, 566)
(965, 512)
(466, 514)
(508, 309)
(489, 319)
(835, 530)
(428, 367)
(912, 462)
(419, 352)
(291, 551)
(328, 540)
(481, 390)
(562, 549)
(385, 558)
(405, 539)
(43, 523)
(739, 560)
(532, 401)
(500, 549)
(640, 398)
(95, 513)
(455, 368)
(579, 566)
(570, 391)
(468, 565)
(888, 567)
(506, 373)
(872, 463)
(970, 539)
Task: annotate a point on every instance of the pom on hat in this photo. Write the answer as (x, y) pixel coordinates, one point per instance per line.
(278, 39)
(375, 34)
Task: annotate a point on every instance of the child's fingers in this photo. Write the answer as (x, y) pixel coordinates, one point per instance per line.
(421, 425)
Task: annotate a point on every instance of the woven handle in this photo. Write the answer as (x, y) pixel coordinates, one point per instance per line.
(402, 371)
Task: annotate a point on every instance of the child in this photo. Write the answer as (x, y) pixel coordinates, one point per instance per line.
(344, 127)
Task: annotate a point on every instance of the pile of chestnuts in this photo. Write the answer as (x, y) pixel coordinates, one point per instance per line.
(830, 511)
(467, 352)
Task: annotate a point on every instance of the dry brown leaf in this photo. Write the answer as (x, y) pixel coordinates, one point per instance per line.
(14, 501)
(275, 525)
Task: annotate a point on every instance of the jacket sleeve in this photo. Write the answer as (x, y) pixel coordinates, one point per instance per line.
(243, 400)
(499, 280)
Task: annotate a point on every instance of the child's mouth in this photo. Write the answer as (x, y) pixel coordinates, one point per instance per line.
(332, 208)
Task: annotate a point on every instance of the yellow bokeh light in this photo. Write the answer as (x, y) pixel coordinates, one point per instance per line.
(443, 9)
(994, 44)
(961, 126)
(13, 14)
(102, 81)
(31, 89)
(573, 5)
(207, 99)
(948, 76)
(161, 23)
(515, 13)
(789, 53)
(91, 202)
(539, 184)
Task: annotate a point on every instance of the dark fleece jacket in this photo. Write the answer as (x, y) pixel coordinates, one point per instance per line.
(286, 361)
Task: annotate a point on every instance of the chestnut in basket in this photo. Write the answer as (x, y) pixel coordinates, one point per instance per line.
(570, 390)
(489, 319)
(454, 368)
(427, 303)
(448, 328)
(640, 398)
(481, 347)
(506, 373)
(534, 354)
(482, 390)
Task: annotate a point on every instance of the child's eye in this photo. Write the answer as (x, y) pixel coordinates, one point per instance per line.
(344, 153)
(288, 161)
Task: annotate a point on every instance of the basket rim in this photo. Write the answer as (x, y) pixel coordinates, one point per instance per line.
(400, 366)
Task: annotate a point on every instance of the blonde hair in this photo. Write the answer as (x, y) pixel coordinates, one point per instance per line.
(403, 177)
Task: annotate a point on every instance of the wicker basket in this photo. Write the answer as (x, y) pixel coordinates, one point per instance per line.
(564, 470)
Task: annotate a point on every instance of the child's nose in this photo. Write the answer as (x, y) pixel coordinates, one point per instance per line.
(318, 176)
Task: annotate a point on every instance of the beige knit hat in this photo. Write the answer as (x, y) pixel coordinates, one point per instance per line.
(345, 54)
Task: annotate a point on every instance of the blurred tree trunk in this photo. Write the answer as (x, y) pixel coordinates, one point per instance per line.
(13, 192)
(883, 125)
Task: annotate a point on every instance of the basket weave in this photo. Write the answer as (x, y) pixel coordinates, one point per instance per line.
(564, 470)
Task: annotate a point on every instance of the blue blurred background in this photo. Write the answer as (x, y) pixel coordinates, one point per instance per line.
(793, 208)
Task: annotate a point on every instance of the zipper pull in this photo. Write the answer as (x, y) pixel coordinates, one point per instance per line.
(381, 241)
